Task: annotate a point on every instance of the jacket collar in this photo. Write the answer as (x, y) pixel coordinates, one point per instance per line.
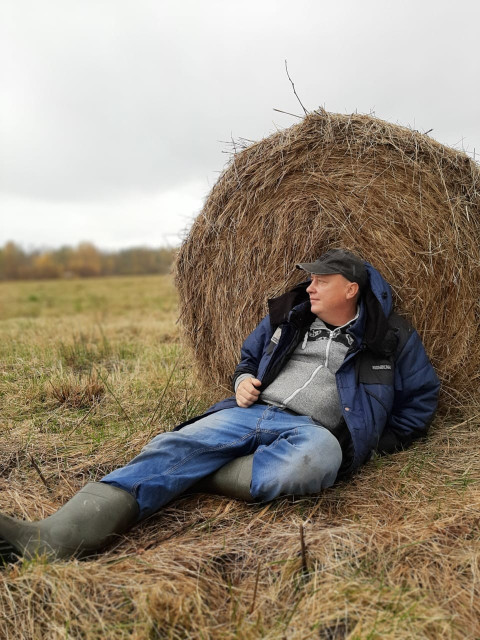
(297, 298)
(371, 327)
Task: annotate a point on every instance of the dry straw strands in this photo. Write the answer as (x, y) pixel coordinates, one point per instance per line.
(406, 203)
(392, 554)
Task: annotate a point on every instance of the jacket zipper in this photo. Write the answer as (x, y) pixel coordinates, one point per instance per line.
(321, 366)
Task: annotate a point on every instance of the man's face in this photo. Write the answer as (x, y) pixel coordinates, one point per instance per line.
(330, 294)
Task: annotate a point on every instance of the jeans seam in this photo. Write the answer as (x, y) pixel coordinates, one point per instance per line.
(199, 451)
(281, 437)
(139, 482)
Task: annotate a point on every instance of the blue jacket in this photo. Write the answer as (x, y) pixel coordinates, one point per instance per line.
(387, 387)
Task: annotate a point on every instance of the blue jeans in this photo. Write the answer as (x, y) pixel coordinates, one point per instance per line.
(293, 455)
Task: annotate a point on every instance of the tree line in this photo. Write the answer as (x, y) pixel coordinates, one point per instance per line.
(82, 261)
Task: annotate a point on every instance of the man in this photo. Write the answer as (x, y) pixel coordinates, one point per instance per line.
(330, 375)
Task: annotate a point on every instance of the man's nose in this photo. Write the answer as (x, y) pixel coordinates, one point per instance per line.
(310, 288)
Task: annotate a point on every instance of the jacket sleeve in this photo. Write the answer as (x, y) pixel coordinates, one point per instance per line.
(253, 349)
(415, 399)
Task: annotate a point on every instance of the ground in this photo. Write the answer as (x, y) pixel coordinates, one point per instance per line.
(90, 371)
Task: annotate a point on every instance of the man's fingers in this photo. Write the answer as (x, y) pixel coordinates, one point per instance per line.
(247, 393)
(243, 401)
(251, 386)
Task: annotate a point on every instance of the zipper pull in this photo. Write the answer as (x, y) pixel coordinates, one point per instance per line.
(305, 340)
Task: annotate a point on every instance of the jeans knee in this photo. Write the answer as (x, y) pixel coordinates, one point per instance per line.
(302, 471)
(309, 473)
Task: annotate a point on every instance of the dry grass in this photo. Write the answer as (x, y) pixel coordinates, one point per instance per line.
(76, 392)
(406, 203)
(392, 554)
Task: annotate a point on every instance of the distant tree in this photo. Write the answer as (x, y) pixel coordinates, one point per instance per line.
(85, 261)
(142, 260)
(45, 266)
(63, 257)
(14, 262)
(108, 264)
(165, 258)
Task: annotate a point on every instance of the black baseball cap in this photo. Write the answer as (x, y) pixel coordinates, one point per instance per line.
(339, 261)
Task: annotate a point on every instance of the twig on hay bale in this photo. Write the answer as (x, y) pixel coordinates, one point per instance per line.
(406, 203)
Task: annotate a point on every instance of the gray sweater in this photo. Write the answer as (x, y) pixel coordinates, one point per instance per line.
(307, 383)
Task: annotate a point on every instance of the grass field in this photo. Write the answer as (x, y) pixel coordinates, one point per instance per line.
(90, 371)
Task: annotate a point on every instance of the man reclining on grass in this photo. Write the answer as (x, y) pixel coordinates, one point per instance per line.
(330, 375)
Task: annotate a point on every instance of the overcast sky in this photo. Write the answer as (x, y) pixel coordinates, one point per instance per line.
(115, 115)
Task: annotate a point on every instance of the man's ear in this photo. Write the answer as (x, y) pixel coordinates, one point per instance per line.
(352, 290)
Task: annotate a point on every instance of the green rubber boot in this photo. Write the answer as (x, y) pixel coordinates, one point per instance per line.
(232, 480)
(85, 523)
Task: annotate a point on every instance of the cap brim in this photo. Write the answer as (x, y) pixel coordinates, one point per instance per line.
(316, 269)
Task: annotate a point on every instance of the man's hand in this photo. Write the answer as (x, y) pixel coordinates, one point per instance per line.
(247, 393)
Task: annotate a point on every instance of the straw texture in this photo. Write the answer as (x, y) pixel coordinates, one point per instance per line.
(401, 200)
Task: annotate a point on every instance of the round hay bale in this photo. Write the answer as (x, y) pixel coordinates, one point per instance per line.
(401, 200)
